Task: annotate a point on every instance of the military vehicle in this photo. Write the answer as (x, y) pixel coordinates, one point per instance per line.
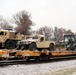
(70, 41)
(8, 38)
(37, 42)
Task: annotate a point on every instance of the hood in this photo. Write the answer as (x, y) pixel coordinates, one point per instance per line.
(30, 39)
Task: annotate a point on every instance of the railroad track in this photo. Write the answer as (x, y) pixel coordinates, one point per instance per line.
(32, 61)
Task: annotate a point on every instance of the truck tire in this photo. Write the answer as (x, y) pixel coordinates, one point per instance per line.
(10, 44)
(32, 46)
(51, 47)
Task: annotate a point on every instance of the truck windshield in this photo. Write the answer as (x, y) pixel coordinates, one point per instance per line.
(28, 37)
(35, 37)
(67, 37)
(1, 33)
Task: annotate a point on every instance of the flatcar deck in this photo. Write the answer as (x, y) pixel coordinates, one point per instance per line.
(8, 56)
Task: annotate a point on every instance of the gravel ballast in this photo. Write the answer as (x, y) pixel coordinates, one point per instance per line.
(52, 68)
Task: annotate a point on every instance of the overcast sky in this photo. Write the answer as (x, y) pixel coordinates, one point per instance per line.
(59, 13)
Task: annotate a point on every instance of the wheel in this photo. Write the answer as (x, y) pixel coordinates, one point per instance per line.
(32, 46)
(47, 58)
(10, 44)
(37, 59)
(51, 47)
(28, 59)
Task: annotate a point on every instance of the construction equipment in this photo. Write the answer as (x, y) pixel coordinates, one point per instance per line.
(70, 41)
(37, 42)
(8, 38)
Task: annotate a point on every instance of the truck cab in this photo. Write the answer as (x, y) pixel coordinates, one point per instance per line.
(8, 39)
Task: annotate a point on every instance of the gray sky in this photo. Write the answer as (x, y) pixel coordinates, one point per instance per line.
(60, 13)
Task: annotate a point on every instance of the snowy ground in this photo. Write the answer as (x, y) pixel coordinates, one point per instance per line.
(52, 68)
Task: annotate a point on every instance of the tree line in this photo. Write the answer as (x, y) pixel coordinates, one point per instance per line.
(24, 23)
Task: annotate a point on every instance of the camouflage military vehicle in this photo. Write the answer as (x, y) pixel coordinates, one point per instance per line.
(8, 39)
(37, 42)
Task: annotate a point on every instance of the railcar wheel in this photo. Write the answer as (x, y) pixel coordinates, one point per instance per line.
(28, 59)
(10, 44)
(37, 59)
(32, 46)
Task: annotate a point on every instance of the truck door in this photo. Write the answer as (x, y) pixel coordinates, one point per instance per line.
(41, 42)
(2, 36)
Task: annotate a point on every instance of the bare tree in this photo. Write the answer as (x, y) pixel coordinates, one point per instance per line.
(47, 31)
(69, 32)
(59, 33)
(23, 22)
(4, 23)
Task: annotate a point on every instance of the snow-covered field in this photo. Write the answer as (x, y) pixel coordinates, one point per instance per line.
(52, 68)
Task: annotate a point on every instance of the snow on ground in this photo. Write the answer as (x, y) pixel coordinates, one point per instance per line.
(52, 68)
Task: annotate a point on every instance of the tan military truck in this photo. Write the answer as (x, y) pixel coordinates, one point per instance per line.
(37, 42)
(8, 38)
